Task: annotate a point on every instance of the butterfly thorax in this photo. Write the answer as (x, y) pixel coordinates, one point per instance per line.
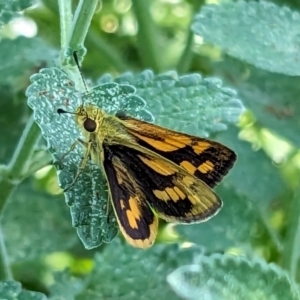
(99, 127)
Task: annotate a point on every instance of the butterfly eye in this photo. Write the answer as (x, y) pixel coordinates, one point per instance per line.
(89, 125)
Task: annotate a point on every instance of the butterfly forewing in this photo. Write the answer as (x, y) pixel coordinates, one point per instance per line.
(207, 160)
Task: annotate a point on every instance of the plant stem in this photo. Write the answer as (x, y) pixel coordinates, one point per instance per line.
(187, 54)
(65, 16)
(13, 174)
(272, 233)
(74, 39)
(147, 37)
(24, 150)
(291, 253)
(81, 23)
(5, 271)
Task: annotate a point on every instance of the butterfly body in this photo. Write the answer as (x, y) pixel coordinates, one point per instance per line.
(153, 172)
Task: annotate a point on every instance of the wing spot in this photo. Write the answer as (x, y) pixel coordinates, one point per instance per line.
(159, 145)
(173, 195)
(206, 167)
(188, 166)
(133, 204)
(131, 219)
(179, 193)
(200, 147)
(162, 195)
(157, 166)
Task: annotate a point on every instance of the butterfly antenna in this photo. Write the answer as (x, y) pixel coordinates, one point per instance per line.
(79, 69)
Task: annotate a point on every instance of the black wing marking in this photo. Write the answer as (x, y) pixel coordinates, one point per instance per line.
(136, 219)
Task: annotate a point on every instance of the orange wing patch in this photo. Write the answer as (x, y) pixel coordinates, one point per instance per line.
(169, 193)
(200, 146)
(207, 160)
(157, 167)
(188, 166)
(167, 144)
(206, 167)
(133, 213)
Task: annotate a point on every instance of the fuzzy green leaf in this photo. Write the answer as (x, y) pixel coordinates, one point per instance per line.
(38, 215)
(190, 103)
(230, 277)
(65, 286)
(259, 32)
(123, 272)
(273, 98)
(25, 55)
(51, 89)
(231, 227)
(243, 177)
(12, 290)
(11, 9)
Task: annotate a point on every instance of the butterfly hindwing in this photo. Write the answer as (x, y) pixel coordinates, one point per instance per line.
(173, 193)
(136, 220)
(207, 160)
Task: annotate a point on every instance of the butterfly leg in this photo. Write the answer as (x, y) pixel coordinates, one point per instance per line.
(83, 161)
(71, 149)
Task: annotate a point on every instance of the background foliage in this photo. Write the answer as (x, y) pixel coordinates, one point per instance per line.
(195, 65)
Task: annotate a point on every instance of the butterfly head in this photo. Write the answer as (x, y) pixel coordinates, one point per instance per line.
(89, 117)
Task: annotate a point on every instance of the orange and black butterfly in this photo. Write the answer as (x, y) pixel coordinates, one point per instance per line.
(152, 172)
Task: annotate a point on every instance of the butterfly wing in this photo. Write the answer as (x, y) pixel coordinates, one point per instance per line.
(136, 220)
(152, 182)
(207, 160)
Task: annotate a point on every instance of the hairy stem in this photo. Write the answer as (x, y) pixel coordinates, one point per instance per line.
(13, 174)
(81, 23)
(147, 37)
(65, 17)
(187, 54)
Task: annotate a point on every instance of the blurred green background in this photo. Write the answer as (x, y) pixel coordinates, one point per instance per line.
(253, 49)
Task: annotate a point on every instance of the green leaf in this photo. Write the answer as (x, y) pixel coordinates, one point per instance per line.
(35, 223)
(11, 290)
(10, 9)
(243, 176)
(65, 286)
(259, 32)
(229, 277)
(230, 228)
(51, 89)
(273, 98)
(25, 55)
(123, 272)
(188, 103)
